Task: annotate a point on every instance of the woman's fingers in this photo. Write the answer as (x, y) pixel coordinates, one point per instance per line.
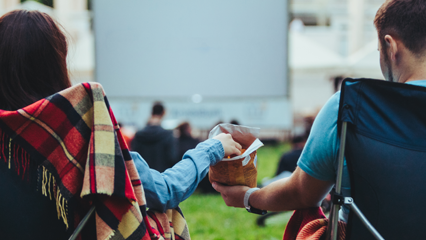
(229, 145)
(238, 146)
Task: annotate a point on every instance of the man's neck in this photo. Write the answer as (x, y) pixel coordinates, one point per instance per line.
(415, 77)
(412, 70)
(155, 120)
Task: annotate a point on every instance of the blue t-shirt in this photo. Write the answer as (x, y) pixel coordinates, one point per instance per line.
(167, 189)
(319, 157)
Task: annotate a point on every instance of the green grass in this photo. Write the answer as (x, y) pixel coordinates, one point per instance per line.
(210, 219)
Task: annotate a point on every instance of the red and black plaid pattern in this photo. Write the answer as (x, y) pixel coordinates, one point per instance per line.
(73, 134)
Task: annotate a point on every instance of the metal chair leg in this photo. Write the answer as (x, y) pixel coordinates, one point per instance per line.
(334, 212)
(82, 223)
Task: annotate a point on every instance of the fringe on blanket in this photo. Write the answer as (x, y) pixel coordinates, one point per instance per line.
(14, 156)
(17, 159)
(45, 149)
(50, 189)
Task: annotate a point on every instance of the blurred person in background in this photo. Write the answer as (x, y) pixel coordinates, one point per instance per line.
(337, 83)
(288, 161)
(33, 51)
(235, 122)
(185, 141)
(400, 26)
(156, 145)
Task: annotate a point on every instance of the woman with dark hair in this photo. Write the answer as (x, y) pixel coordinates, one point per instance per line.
(33, 51)
(185, 139)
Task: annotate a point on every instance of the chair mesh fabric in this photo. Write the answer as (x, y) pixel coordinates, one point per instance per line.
(386, 156)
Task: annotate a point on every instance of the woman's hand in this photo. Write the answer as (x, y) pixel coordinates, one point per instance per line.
(229, 145)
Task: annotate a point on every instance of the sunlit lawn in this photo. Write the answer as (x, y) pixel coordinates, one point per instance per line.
(209, 218)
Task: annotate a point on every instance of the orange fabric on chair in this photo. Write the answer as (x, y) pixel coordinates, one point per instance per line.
(310, 224)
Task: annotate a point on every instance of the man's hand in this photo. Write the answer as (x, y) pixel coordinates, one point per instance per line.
(298, 191)
(229, 145)
(232, 195)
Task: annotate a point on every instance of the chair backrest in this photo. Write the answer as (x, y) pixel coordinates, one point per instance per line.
(386, 156)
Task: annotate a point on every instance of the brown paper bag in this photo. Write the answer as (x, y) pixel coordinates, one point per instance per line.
(239, 170)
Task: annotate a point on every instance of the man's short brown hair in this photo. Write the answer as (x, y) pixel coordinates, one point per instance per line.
(404, 20)
(157, 109)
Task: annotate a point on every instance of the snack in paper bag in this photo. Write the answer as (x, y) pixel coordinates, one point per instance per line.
(239, 170)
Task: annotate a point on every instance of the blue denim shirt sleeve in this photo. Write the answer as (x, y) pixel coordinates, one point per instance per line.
(166, 190)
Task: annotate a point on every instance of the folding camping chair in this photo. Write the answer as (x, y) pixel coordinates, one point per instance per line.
(383, 138)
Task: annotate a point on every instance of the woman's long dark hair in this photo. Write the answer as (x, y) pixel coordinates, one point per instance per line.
(33, 52)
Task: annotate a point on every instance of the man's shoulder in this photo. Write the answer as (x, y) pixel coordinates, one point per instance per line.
(153, 133)
(320, 152)
(335, 98)
(331, 107)
(152, 128)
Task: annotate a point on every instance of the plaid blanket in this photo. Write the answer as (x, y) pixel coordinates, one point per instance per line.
(74, 140)
(310, 224)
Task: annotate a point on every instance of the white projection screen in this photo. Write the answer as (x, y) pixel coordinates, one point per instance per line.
(178, 48)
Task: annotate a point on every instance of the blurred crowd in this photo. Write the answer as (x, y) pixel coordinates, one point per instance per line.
(162, 148)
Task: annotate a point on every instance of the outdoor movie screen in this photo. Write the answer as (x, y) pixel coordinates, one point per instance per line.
(169, 48)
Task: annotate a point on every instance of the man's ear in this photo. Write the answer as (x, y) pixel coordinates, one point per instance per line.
(391, 47)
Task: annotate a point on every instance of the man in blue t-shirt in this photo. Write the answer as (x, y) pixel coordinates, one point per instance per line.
(400, 26)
